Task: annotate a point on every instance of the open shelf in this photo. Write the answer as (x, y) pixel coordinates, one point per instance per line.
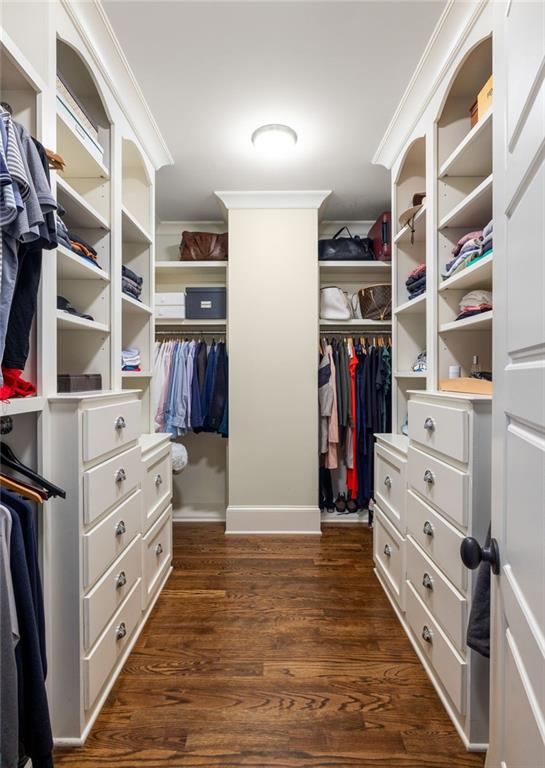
(80, 162)
(21, 405)
(190, 323)
(78, 211)
(180, 270)
(136, 374)
(70, 266)
(480, 322)
(479, 275)
(412, 306)
(362, 269)
(133, 306)
(473, 156)
(419, 226)
(68, 322)
(355, 323)
(410, 374)
(133, 231)
(474, 211)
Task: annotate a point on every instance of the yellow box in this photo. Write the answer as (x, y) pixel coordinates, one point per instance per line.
(484, 99)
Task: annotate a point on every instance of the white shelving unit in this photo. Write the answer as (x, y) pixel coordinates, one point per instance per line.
(68, 322)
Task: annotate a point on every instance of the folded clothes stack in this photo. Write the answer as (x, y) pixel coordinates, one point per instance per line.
(131, 283)
(475, 303)
(76, 244)
(65, 306)
(416, 282)
(470, 249)
(130, 359)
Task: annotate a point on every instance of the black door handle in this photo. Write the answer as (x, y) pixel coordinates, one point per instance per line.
(473, 554)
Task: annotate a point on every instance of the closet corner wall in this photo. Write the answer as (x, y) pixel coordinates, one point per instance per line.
(433, 477)
(116, 517)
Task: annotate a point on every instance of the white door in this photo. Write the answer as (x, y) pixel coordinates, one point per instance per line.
(517, 707)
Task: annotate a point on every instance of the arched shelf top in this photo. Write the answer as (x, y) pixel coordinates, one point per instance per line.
(80, 80)
(454, 119)
(17, 89)
(136, 192)
(132, 161)
(413, 159)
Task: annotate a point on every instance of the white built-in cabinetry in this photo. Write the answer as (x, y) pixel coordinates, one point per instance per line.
(433, 484)
(106, 548)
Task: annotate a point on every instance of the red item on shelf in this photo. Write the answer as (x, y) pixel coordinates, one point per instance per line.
(18, 386)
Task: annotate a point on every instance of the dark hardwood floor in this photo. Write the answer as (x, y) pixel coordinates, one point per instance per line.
(272, 652)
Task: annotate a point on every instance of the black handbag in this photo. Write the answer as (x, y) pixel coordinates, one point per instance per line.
(345, 248)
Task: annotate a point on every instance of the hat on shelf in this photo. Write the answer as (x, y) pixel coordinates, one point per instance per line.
(179, 457)
(410, 213)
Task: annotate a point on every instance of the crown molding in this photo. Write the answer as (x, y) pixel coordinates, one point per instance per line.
(273, 199)
(93, 25)
(444, 45)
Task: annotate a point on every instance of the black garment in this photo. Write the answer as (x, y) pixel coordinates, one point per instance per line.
(219, 391)
(34, 723)
(201, 362)
(478, 627)
(326, 489)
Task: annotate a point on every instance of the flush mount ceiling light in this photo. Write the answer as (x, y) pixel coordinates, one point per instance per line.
(274, 139)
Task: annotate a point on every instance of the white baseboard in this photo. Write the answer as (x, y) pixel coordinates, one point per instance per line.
(290, 520)
(199, 513)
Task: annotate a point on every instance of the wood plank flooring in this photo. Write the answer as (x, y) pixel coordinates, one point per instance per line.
(272, 653)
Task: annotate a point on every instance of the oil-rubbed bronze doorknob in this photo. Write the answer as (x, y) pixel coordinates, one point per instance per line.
(473, 554)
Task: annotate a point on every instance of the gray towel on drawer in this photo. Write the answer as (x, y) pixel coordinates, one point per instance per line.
(478, 628)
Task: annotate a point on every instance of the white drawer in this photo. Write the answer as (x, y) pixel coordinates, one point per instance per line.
(110, 427)
(390, 486)
(388, 550)
(157, 545)
(441, 484)
(176, 311)
(438, 538)
(450, 667)
(446, 604)
(109, 592)
(174, 299)
(110, 482)
(443, 428)
(100, 663)
(110, 537)
(157, 487)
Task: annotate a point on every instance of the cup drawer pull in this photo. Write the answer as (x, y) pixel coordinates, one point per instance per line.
(427, 634)
(120, 631)
(428, 529)
(429, 477)
(388, 481)
(120, 528)
(159, 549)
(429, 424)
(120, 475)
(120, 580)
(427, 581)
(158, 480)
(120, 423)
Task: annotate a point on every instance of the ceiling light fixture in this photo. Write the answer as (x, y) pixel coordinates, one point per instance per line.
(274, 139)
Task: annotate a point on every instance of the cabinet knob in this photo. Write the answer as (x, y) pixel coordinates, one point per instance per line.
(388, 481)
(428, 528)
(120, 528)
(159, 549)
(473, 554)
(120, 631)
(388, 550)
(429, 424)
(120, 580)
(427, 634)
(429, 477)
(120, 423)
(427, 581)
(158, 480)
(120, 475)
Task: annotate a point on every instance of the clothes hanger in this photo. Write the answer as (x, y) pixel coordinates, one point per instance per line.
(8, 458)
(21, 489)
(11, 474)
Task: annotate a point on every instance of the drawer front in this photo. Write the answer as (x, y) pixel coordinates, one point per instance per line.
(157, 553)
(390, 486)
(176, 311)
(110, 537)
(170, 299)
(100, 663)
(110, 428)
(110, 482)
(438, 538)
(445, 603)
(104, 599)
(451, 669)
(388, 550)
(157, 488)
(444, 429)
(442, 485)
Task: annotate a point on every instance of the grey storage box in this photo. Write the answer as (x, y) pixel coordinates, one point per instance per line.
(205, 303)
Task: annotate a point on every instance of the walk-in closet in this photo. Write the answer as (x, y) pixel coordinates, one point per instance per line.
(272, 391)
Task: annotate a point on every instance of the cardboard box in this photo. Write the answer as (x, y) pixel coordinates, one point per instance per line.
(468, 385)
(484, 99)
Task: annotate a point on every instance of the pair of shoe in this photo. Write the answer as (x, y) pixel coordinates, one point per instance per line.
(345, 506)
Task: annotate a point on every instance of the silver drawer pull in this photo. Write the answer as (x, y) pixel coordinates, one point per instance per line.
(159, 550)
(158, 480)
(120, 631)
(388, 481)
(429, 424)
(388, 550)
(427, 634)
(120, 528)
(120, 580)
(427, 581)
(120, 423)
(120, 475)
(428, 528)
(429, 477)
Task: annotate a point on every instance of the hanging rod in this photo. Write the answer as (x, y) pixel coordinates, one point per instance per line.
(190, 333)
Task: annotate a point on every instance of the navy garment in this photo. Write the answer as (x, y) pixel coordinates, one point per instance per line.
(34, 723)
(223, 428)
(208, 385)
(196, 410)
(218, 395)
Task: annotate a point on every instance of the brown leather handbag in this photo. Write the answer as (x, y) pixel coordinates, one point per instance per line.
(375, 302)
(203, 246)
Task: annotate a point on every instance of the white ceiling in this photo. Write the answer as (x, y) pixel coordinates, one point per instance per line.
(212, 72)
